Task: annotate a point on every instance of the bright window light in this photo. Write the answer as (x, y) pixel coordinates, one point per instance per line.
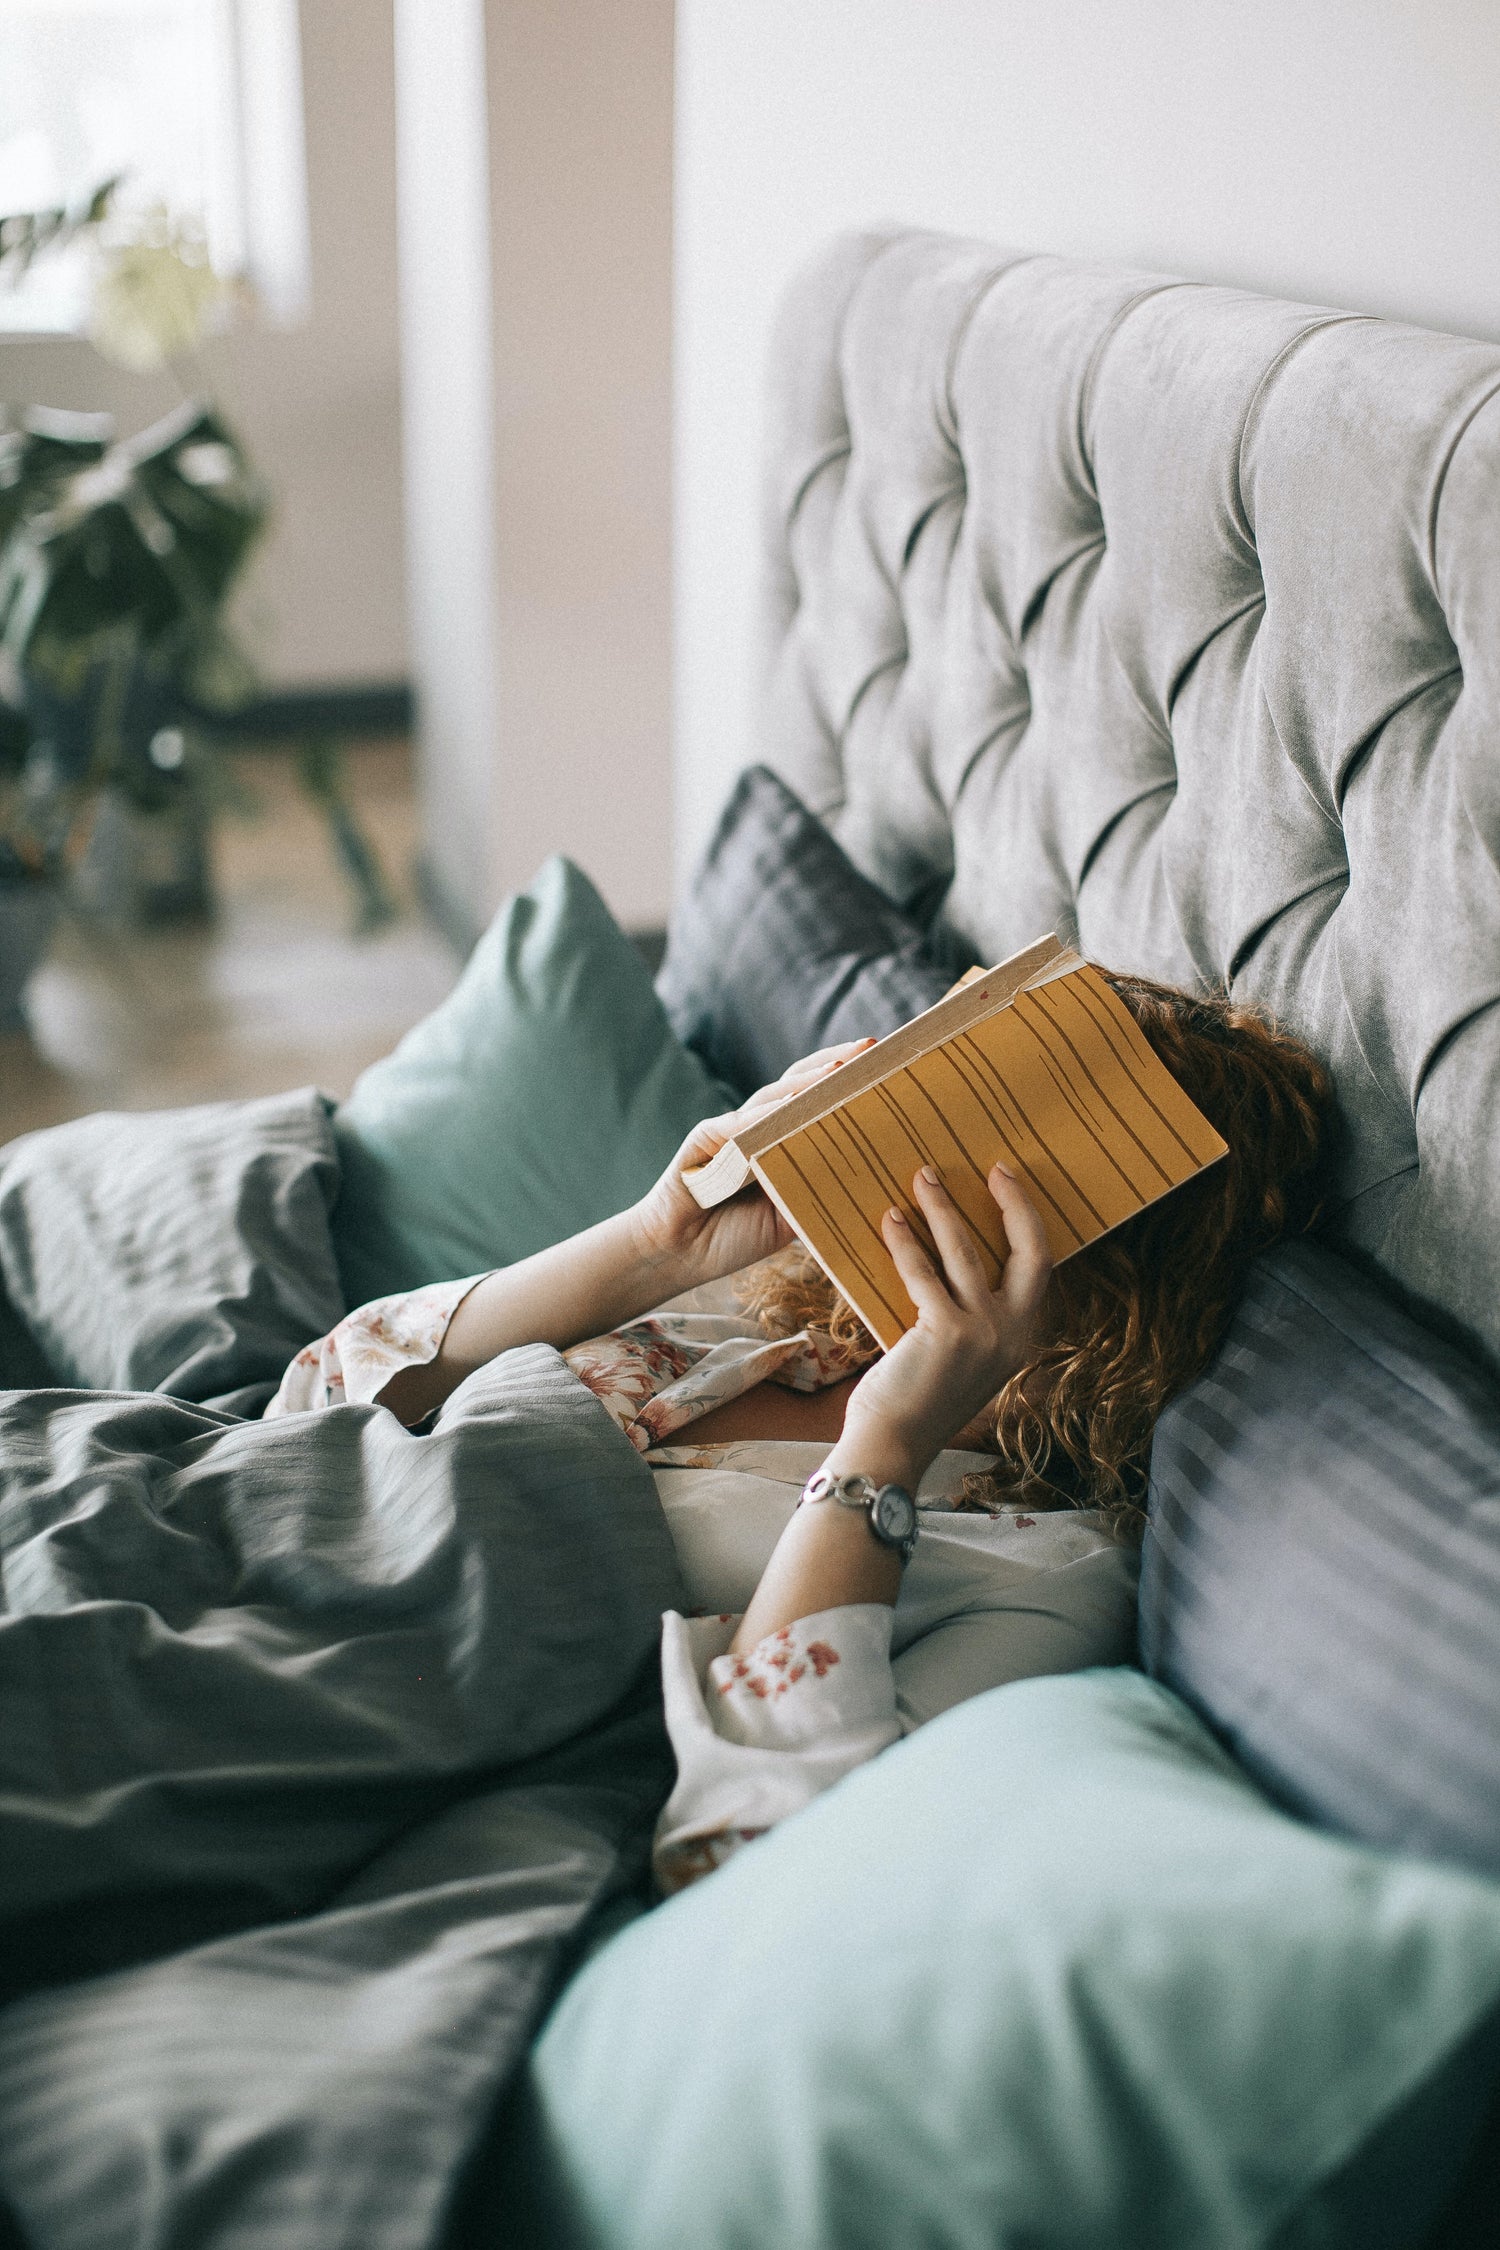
(197, 103)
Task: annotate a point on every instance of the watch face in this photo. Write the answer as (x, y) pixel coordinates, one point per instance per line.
(893, 1515)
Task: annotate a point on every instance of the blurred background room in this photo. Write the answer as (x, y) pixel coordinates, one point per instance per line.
(424, 296)
(378, 478)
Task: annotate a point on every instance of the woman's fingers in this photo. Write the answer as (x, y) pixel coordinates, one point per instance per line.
(824, 1059)
(705, 1141)
(922, 1281)
(1030, 1262)
(798, 1076)
(963, 1266)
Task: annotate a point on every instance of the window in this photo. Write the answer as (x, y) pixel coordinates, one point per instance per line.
(197, 103)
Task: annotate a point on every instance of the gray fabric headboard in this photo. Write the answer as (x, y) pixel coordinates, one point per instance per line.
(1168, 617)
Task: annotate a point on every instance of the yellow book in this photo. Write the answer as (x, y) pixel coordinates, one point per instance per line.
(1037, 1063)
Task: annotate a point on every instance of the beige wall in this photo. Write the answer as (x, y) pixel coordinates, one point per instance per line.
(1347, 152)
(535, 158)
(317, 405)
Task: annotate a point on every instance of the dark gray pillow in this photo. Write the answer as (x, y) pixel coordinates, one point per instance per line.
(781, 945)
(184, 1250)
(1321, 1577)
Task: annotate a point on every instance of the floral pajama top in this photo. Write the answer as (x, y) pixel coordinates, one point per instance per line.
(988, 1597)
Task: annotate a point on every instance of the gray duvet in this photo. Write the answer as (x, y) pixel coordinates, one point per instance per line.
(320, 1745)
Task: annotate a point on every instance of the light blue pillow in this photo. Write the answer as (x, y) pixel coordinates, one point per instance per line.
(1051, 1974)
(547, 1092)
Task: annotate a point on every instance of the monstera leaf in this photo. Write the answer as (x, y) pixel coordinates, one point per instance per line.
(145, 538)
(39, 451)
(15, 740)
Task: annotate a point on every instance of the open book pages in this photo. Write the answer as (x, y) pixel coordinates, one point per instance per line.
(1037, 1063)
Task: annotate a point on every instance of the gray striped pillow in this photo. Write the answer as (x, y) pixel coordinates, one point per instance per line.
(782, 946)
(1321, 1577)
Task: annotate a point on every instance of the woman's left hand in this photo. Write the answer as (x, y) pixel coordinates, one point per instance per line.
(968, 1340)
(675, 1228)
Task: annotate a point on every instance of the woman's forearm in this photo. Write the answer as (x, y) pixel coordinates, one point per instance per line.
(828, 1556)
(576, 1289)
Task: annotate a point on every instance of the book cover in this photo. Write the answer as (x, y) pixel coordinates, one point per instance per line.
(1037, 1063)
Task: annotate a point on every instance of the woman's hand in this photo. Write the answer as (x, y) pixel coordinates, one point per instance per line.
(968, 1340)
(675, 1228)
(617, 1270)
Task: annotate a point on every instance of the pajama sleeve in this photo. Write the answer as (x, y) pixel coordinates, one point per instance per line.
(352, 1364)
(759, 1736)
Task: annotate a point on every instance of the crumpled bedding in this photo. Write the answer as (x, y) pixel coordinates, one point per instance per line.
(320, 1745)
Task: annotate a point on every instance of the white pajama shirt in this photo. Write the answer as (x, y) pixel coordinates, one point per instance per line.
(989, 1596)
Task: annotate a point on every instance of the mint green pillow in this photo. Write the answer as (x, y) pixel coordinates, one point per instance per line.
(1050, 1974)
(547, 1092)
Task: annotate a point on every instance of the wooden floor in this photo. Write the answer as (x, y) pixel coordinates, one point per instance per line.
(276, 993)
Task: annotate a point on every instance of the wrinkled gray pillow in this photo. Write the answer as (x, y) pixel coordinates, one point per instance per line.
(1321, 1575)
(781, 946)
(181, 1250)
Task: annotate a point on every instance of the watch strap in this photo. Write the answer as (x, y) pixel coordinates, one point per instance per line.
(864, 1493)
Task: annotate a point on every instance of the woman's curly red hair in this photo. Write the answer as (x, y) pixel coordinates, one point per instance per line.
(1136, 1317)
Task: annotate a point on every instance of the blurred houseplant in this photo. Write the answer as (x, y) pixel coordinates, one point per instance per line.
(116, 563)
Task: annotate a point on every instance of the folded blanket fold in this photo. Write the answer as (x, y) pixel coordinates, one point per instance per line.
(322, 1743)
(328, 2080)
(236, 1659)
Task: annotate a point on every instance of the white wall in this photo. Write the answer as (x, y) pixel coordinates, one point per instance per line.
(317, 405)
(1344, 151)
(447, 392)
(536, 253)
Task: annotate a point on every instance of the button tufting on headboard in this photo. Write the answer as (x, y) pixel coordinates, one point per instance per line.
(1168, 616)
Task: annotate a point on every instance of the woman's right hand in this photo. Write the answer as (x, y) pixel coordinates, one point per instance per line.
(676, 1229)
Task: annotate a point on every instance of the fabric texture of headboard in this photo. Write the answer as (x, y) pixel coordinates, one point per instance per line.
(1168, 617)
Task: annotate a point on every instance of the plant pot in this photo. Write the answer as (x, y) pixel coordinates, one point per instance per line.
(146, 866)
(147, 858)
(28, 911)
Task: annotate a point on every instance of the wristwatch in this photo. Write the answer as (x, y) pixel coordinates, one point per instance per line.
(889, 1509)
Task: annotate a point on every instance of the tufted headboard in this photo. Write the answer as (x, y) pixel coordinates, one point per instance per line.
(1168, 617)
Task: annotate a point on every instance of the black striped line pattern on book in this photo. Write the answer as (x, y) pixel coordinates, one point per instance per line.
(839, 1233)
(1061, 1086)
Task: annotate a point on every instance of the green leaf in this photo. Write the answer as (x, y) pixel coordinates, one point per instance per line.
(26, 235)
(40, 449)
(150, 534)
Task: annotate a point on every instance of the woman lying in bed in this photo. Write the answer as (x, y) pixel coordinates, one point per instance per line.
(833, 1615)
